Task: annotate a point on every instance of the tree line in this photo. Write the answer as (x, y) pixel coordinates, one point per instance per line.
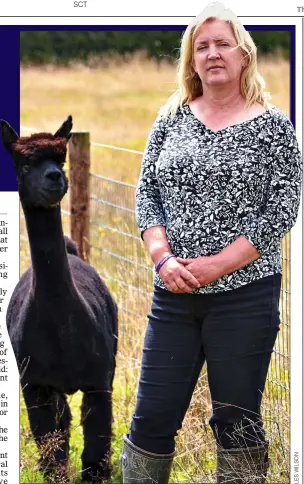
(61, 47)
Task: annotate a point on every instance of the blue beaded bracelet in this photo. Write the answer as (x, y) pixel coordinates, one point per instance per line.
(162, 261)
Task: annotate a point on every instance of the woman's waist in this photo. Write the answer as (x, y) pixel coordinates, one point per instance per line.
(199, 241)
(266, 265)
(188, 244)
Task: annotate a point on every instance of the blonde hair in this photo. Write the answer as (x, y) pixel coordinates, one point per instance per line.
(188, 81)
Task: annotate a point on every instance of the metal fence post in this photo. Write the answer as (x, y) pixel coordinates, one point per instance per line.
(79, 160)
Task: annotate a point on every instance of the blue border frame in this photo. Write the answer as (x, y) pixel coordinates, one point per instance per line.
(10, 75)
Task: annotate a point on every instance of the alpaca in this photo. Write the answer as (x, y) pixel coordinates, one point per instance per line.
(61, 318)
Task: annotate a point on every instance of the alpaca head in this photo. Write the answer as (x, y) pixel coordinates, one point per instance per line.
(39, 161)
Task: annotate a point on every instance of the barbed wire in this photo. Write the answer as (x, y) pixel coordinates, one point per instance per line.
(120, 257)
(116, 182)
(118, 148)
(112, 229)
(93, 143)
(113, 205)
(124, 284)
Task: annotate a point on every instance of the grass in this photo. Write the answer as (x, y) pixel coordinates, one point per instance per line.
(117, 103)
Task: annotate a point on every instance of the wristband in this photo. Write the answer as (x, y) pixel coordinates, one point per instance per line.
(162, 261)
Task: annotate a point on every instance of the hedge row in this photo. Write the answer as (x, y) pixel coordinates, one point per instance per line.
(41, 47)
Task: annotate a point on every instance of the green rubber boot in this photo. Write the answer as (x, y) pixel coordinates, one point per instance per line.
(140, 466)
(242, 466)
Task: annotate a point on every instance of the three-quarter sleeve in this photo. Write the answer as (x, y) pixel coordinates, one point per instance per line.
(149, 208)
(278, 214)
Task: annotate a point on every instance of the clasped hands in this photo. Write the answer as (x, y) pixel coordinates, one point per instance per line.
(185, 275)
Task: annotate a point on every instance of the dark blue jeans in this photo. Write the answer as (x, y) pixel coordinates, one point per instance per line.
(234, 333)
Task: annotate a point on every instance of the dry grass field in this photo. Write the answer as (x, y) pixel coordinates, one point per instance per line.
(117, 103)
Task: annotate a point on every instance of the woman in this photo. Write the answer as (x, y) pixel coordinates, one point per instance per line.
(219, 188)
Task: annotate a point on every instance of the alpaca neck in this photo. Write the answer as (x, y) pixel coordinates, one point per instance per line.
(51, 272)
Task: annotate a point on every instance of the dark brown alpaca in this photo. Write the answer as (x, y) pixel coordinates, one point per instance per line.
(62, 320)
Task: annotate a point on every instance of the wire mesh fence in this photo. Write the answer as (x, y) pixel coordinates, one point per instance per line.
(118, 254)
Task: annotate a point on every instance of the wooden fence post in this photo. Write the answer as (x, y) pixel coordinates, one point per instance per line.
(79, 160)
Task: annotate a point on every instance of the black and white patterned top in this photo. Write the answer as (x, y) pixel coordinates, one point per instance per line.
(209, 188)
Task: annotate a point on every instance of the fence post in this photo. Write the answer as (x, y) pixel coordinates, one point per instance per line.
(79, 160)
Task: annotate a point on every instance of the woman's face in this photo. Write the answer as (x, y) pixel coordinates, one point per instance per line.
(217, 59)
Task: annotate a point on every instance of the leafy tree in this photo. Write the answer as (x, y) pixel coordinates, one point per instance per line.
(60, 46)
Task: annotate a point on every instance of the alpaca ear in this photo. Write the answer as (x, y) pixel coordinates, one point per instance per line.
(65, 128)
(9, 135)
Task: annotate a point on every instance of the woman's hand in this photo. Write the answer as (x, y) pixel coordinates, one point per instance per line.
(205, 269)
(177, 278)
